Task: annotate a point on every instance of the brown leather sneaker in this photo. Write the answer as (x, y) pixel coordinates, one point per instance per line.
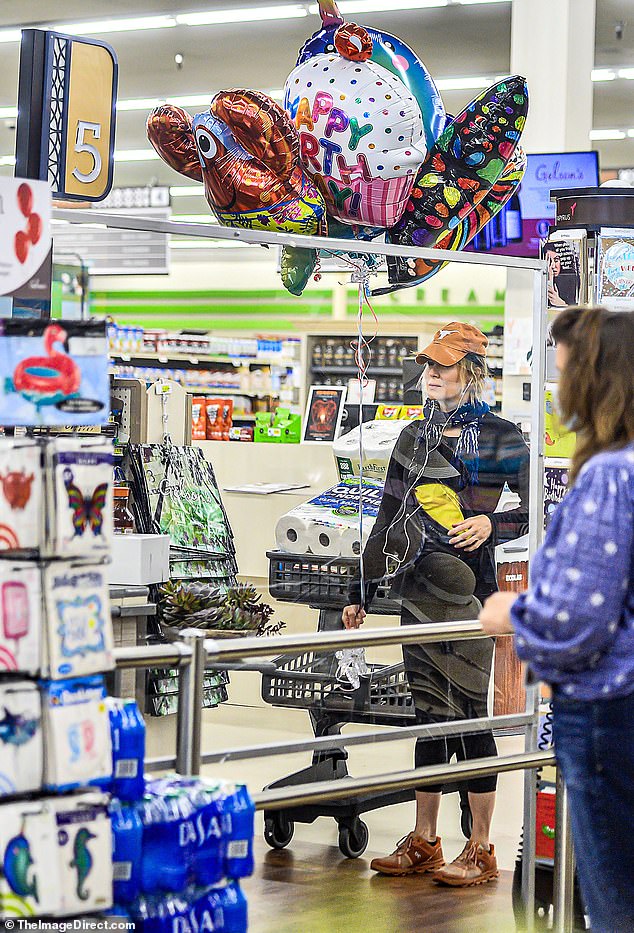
(413, 855)
(474, 865)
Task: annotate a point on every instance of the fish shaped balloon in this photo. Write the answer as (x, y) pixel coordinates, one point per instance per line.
(245, 150)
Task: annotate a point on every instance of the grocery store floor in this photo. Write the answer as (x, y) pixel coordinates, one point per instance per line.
(310, 887)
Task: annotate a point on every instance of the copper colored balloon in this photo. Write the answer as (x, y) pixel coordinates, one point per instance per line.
(169, 129)
(353, 42)
(260, 126)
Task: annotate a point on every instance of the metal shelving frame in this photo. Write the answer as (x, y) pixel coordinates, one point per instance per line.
(189, 716)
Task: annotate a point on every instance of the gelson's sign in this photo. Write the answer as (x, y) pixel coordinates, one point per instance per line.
(66, 104)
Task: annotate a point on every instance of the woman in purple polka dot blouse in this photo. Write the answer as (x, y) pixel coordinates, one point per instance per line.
(575, 625)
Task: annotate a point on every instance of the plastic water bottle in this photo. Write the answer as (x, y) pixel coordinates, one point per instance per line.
(167, 839)
(127, 837)
(239, 815)
(127, 730)
(169, 914)
(226, 907)
(209, 854)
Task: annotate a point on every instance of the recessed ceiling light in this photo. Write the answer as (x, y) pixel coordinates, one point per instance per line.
(187, 191)
(135, 155)
(463, 84)
(627, 73)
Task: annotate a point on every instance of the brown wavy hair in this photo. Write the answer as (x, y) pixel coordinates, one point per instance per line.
(596, 388)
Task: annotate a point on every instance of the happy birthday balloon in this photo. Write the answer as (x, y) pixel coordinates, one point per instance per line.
(360, 131)
(391, 53)
(245, 150)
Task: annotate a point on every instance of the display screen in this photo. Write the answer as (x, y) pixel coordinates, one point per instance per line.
(526, 219)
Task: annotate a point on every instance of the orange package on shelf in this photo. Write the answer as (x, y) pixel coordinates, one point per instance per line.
(227, 418)
(214, 419)
(199, 418)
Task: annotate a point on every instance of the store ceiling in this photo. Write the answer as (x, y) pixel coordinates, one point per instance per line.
(454, 41)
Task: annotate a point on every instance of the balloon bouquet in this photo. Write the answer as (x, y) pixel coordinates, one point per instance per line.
(361, 148)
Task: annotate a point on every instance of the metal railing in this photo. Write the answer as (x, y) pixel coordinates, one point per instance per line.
(195, 653)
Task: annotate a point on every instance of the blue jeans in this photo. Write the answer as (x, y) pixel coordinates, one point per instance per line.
(594, 742)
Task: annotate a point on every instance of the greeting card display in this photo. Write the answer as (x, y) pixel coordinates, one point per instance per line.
(558, 440)
(54, 374)
(615, 271)
(76, 734)
(21, 495)
(20, 618)
(81, 494)
(29, 880)
(21, 746)
(84, 837)
(77, 613)
(556, 479)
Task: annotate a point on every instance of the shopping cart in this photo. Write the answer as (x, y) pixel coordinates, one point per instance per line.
(309, 681)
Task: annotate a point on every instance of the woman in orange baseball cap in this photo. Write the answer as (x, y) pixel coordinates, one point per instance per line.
(489, 453)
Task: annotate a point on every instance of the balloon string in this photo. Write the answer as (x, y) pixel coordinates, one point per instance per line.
(362, 368)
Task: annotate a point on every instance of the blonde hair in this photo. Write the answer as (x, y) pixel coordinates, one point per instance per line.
(474, 373)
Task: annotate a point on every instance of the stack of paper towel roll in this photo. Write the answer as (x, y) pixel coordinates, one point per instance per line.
(328, 524)
(301, 533)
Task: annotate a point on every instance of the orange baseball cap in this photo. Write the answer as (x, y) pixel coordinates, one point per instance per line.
(452, 343)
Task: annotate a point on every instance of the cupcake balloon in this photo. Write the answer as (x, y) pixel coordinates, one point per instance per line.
(360, 130)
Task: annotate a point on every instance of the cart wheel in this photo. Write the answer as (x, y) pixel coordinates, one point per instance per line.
(353, 840)
(278, 831)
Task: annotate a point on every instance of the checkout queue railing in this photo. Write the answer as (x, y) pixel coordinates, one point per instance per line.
(195, 654)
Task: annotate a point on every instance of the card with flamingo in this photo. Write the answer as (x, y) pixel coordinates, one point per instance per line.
(54, 373)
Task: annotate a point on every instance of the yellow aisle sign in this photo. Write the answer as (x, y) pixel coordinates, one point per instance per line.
(88, 159)
(67, 97)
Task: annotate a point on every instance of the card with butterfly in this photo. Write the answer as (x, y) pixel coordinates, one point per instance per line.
(82, 479)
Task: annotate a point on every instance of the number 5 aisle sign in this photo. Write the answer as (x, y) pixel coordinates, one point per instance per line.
(66, 104)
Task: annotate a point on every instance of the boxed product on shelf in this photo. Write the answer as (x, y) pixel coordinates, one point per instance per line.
(54, 374)
(84, 856)
(219, 413)
(56, 497)
(139, 560)
(77, 743)
(21, 743)
(29, 855)
(55, 619)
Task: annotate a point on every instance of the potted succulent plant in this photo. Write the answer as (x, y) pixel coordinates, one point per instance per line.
(232, 612)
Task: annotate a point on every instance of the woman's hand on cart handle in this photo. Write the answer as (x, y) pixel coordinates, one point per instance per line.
(353, 616)
(471, 533)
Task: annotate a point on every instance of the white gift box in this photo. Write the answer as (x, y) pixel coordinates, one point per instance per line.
(139, 560)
